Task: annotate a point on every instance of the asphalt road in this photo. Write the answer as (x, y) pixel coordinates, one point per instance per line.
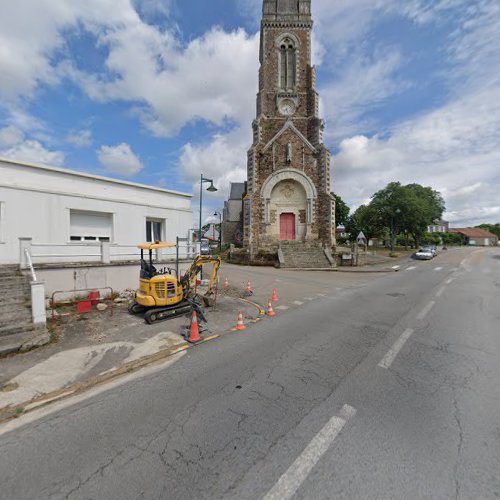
(386, 391)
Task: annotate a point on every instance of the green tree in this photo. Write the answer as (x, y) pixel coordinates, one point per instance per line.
(406, 209)
(364, 219)
(341, 211)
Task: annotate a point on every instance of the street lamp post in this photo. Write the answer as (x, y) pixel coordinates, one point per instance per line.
(393, 229)
(210, 189)
(220, 230)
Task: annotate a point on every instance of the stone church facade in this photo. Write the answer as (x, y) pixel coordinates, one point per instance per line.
(288, 197)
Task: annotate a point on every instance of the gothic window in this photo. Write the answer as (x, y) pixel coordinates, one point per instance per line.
(288, 64)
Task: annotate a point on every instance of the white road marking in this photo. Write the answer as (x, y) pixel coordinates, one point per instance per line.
(282, 308)
(395, 267)
(308, 298)
(388, 359)
(440, 291)
(411, 268)
(290, 481)
(463, 263)
(450, 281)
(438, 269)
(321, 294)
(425, 311)
(298, 303)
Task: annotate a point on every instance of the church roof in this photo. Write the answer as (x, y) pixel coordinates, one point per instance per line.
(290, 126)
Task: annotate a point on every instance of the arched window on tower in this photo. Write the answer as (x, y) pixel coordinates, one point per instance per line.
(288, 64)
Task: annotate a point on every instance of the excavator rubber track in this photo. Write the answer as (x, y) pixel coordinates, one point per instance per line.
(163, 313)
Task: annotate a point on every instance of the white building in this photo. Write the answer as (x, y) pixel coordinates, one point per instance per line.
(82, 230)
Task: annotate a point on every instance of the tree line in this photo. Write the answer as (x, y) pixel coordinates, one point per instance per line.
(397, 212)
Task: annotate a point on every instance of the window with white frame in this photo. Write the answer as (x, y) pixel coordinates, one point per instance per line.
(154, 230)
(90, 227)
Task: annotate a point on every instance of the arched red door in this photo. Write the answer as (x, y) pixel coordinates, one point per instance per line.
(287, 226)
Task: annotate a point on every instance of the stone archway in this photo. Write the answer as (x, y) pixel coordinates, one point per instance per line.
(294, 177)
(288, 202)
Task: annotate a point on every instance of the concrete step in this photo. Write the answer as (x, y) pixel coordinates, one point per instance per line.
(16, 327)
(8, 295)
(6, 308)
(24, 341)
(300, 255)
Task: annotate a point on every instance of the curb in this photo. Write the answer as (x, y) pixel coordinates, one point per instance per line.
(11, 412)
(340, 270)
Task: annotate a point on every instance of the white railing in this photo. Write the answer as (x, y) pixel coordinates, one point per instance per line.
(98, 253)
(30, 264)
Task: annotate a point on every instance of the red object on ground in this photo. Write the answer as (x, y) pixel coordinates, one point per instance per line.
(94, 297)
(249, 288)
(275, 296)
(240, 325)
(84, 306)
(270, 310)
(226, 283)
(194, 332)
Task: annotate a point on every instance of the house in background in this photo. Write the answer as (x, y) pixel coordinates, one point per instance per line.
(80, 230)
(475, 236)
(232, 216)
(440, 226)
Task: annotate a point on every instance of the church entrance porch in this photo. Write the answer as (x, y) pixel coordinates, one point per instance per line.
(287, 227)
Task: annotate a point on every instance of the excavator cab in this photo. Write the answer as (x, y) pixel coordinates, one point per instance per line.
(161, 295)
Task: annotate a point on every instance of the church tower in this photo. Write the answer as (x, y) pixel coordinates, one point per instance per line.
(288, 196)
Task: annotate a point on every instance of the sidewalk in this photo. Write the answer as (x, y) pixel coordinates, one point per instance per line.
(93, 348)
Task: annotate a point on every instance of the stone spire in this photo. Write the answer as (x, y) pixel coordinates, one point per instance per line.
(286, 10)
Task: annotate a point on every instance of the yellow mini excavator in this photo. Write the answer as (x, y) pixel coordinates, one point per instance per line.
(161, 295)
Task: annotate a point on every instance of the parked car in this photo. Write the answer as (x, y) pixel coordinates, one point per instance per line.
(431, 248)
(424, 254)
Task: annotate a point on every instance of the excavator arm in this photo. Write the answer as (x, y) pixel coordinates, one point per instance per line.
(188, 281)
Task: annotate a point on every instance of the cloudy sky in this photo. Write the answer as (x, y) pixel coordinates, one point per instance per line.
(157, 91)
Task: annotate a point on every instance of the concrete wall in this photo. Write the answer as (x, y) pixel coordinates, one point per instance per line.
(118, 277)
(36, 203)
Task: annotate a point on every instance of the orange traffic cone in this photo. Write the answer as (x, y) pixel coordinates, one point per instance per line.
(275, 296)
(270, 310)
(226, 283)
(240, 325)
(194, 332)
(249, 288)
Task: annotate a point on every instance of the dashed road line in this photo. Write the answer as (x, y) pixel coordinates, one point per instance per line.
(411, 268)
(440, 291)
(298, 303)
(438, 269)
(282, 308)
(297, 473)
(425, 311)
(308, 298)
(321, 294)
(395, 267)
(388, 359)
(450, 281)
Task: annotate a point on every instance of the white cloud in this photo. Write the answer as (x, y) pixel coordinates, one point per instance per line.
(120, 160)
(365, 84)
(454, 149)
(10, 136)
(14, 146)
(203, 81)
(222, 159)
(80, 138)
